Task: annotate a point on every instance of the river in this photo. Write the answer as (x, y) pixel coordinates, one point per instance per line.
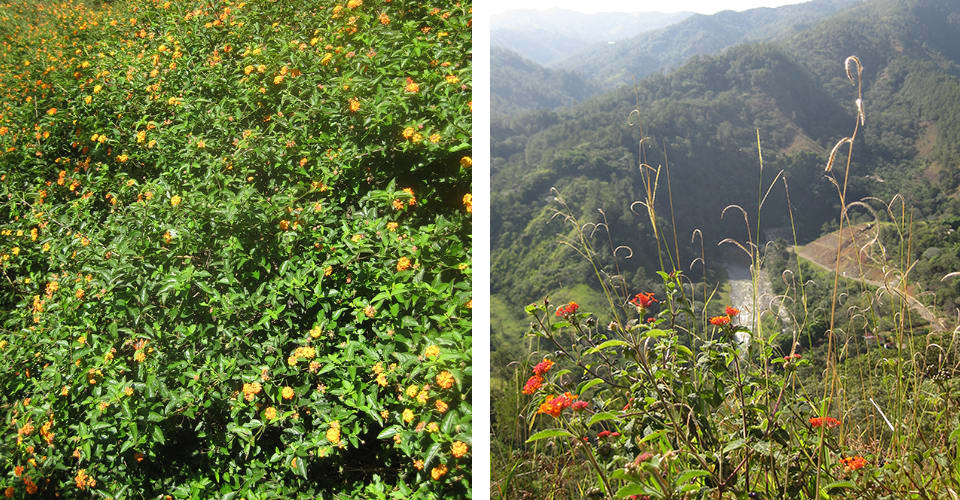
(742, 292)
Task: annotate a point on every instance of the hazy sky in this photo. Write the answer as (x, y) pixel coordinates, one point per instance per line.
(699, 6)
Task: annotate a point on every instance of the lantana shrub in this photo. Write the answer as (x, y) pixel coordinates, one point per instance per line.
(235, 249)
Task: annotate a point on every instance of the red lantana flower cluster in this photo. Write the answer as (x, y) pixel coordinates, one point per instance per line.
(720, 320)
(792, 357)
(554, 405)
(643, 300)
(604, 434)
(732, 312)
(853, 463)
(829, 422)
(567, 310)
(542, 367)
(536, 381)
(533, 383)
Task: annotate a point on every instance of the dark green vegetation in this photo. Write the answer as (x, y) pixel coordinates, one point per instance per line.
(700, 123)
(233, 235)
(518, 85)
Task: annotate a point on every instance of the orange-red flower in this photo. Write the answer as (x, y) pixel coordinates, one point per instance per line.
(542, 367)
(720, 320)
(554, 405)
(567, 310)
(643, 300)
(829, 422)
(853, 463)
(533, 383)
(732, 311)
(412, 86)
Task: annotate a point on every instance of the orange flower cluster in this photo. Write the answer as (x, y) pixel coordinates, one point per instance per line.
(458, 449)
(543, 367)
(554, 405)
(412, 86)
(567, 310)
(853, 463)
(533, 383)
(445, 379)
(536, 381)
(250, 391)
(828, 422)
(643, 300)
(720, 320)
(731, 312)
(83, 480)
(439, 471)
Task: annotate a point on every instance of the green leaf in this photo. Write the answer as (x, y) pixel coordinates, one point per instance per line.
(587, 385)
(604, 415)
(837, 485)
(630, 490)
(653, 435)
(389, 432)
(431, 454)
(606, 345)
(158, 434)
(733, 445)
(691, 474)
(549, 433)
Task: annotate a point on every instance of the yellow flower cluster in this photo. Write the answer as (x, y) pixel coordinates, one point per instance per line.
(250, 391)
(439, 471)
(302, 352)
(333, 433)
(458, 449)
(83, 480)
(445, 379)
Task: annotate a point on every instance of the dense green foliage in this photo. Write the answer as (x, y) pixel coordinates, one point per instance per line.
(517, 85)
(232, 237)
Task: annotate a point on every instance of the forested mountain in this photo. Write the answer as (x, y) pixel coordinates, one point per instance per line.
(518, 85)
(703, 118)
(608, 66)
(547, 36)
